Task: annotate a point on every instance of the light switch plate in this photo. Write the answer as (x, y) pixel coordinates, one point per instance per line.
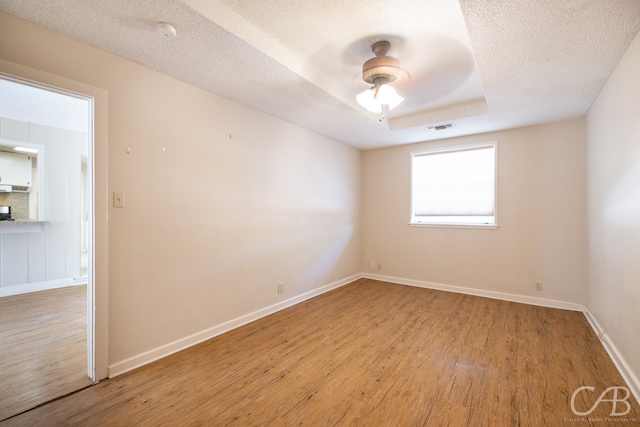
(118, 199)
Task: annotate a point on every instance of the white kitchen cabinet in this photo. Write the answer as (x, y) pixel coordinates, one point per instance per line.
(15, 169)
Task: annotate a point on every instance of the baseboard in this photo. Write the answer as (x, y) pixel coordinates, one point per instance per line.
(7, 291)
(134, 362)
(544, 302)
(623, 367)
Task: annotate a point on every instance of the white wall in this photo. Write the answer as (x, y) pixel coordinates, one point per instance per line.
(51, 254)
(542, 223)
(613, 154)
(237, 201)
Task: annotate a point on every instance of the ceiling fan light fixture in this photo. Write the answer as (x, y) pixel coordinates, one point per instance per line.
(375, 97)
(367, 100)
(381, 71)
(387, 95)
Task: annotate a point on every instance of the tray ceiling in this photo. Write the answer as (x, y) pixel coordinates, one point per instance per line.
(478, 65)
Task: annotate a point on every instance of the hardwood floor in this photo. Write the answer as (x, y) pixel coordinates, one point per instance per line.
(367, 354)
(43, 351)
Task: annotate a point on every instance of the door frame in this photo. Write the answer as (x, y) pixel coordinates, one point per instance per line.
(97, 275)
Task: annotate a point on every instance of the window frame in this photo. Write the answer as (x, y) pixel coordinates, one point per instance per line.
(453, 149)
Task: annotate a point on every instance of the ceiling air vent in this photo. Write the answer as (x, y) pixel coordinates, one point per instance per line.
(440, 127)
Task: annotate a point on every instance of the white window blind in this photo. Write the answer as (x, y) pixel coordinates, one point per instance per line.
(454, 186)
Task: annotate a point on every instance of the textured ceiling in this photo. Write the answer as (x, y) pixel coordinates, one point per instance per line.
(480, 65)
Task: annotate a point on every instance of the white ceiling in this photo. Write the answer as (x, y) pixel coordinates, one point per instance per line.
(482, 65)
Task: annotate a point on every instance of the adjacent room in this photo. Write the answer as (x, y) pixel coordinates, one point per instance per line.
(321, 213)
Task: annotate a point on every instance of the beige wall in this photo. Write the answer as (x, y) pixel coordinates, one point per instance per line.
(613, 154)
(542, 223)
(222, 202)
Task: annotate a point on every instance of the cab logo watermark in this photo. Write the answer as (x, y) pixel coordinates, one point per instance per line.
(619, 400)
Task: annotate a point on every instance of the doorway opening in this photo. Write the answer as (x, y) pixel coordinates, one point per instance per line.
(47, 273)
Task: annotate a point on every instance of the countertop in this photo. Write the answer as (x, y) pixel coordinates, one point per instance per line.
(22, 222)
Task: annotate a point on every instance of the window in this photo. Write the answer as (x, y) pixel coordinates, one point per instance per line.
(454, 186)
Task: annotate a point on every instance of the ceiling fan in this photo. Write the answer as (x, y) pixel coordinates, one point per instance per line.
(382, 71)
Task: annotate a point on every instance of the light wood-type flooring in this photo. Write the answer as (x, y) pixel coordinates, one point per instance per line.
(43, 347)
(367, 354)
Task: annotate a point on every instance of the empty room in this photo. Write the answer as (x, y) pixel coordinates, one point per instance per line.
(416, 213)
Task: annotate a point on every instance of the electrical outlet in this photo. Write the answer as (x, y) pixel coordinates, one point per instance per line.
(118, 200)
(280, 288)
(538, 286)
(372, 264)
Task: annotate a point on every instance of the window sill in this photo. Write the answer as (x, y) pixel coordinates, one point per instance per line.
(447, 225)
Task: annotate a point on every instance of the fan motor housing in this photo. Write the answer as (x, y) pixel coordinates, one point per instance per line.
(384, 66)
